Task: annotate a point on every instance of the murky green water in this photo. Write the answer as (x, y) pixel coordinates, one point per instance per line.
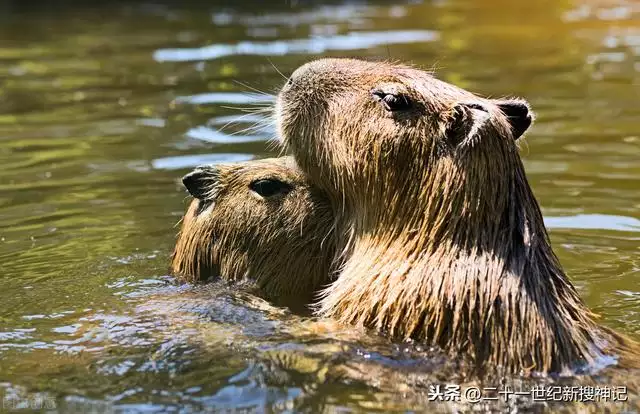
(104, 107)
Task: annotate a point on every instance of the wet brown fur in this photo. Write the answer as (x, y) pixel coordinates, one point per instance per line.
(438, 241)
(283, 245)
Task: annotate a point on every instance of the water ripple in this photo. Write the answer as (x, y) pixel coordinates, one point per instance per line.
(347, 13)
(226, 97)
(212, 135)
(594, 222)
(186, 161)
(315, 45)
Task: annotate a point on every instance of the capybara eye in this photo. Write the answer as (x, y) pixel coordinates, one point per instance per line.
(269, 187)
(390, 101)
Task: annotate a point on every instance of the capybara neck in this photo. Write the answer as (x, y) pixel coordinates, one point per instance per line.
(487, 287)
(441, 238)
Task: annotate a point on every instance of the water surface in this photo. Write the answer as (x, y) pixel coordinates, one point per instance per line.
(103, 107)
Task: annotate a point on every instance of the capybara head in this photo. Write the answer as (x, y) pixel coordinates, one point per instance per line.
(368, 131)
(259, 222)
(442, 236)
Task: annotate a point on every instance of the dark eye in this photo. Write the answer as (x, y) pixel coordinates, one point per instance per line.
(269, 187)
(392, 102)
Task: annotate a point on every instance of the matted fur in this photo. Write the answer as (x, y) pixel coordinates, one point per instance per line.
(281, 244)
(440, 239)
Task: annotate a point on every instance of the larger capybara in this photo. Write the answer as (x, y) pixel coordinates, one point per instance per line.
(259, 223)
(440, 237)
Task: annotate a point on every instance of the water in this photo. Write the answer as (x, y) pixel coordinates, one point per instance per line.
(104, 107)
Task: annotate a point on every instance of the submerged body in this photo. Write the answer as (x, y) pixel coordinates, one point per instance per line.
(439, 235)
(258, 222)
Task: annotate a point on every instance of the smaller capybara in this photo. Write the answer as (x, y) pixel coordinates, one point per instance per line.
(258, 222)
(439, 234)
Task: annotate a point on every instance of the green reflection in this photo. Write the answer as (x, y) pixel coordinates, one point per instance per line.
(87, 223)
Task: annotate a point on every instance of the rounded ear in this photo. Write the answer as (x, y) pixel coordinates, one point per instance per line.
(466, 120)
(518, 114)
(201, 181)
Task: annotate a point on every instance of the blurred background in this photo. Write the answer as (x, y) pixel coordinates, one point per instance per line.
(104, 105)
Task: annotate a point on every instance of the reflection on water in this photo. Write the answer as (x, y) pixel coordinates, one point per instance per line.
(352, 15)
(186, 161)
(215, 136)
(104, 107)
(594, 222)
(315, 45)
(221, 97)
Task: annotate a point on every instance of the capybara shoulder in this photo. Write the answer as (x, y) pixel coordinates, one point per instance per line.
(441, 237)
(260, 222)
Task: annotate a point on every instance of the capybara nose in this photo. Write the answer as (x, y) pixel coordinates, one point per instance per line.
(196, 183)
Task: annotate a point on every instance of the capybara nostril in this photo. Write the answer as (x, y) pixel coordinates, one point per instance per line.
(196, 183)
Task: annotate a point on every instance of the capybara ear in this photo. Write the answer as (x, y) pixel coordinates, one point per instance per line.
(518, 113)
(200, 181)
(465, 122)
